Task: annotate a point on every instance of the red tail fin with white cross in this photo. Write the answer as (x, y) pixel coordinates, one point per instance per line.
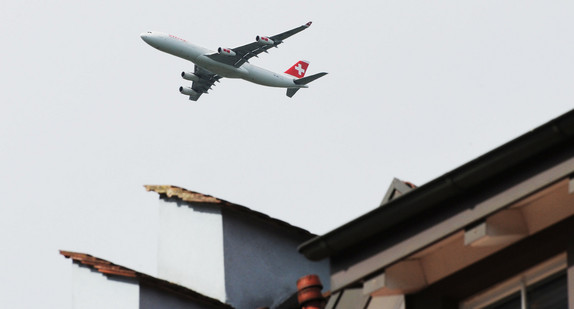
(299, 69)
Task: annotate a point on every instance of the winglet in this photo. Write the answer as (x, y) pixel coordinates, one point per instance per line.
(308, 24)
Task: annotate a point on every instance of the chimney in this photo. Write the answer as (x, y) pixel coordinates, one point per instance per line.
(309, 292)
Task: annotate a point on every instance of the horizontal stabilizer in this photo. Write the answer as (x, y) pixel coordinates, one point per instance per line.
(302, 82)
(308, 79)
(292, 91)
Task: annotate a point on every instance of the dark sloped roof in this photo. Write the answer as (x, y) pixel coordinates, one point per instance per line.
(546, 139)
(110, 269)
(168, 191)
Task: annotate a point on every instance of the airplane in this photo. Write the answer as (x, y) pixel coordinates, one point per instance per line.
(211, 66)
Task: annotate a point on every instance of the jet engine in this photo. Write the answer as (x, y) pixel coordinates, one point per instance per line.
(190, 76)
(188, 91)
(226, 51)
(264, 40)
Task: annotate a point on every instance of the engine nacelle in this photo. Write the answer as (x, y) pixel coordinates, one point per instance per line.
(190, 76)
(226, 52)
(188, 91)
(264, 40)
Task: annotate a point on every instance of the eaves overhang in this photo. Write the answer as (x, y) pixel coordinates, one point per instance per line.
(470, 176)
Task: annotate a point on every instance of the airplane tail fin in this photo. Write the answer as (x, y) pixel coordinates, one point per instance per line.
(298, 69)
(303, 81)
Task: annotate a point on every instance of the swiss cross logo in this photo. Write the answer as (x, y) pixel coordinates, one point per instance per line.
(300, 69)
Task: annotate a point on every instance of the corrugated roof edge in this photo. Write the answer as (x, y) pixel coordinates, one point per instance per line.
(557, 132)
(110, 269)
(168, 191)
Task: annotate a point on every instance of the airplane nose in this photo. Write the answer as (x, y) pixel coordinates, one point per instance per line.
(146, 36)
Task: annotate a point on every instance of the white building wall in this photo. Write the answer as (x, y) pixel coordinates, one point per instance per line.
(190, 249)
(262, 264)
(92, 289)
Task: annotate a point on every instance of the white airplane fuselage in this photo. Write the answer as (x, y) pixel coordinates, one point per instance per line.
(181, 48)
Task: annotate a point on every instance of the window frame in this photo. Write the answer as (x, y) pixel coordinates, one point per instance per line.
(519, 283)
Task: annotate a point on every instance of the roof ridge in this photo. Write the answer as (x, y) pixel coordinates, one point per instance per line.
(184, 194)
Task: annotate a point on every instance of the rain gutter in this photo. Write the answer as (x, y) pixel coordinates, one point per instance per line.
(559, 131)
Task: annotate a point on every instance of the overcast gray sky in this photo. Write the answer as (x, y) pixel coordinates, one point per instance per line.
(90, 113)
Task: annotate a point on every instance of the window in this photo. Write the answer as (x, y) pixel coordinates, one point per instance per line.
(551, 293)
(542, 287)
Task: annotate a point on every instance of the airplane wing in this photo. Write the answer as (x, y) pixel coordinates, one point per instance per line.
(205, 82)
(245, 52)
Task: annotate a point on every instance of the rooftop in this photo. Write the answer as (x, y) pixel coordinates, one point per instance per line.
(110, 269)
(521, 152)
(168, 192)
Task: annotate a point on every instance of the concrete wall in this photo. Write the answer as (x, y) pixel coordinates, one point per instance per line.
(262, 264)
(190, 249)
(92, 289)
